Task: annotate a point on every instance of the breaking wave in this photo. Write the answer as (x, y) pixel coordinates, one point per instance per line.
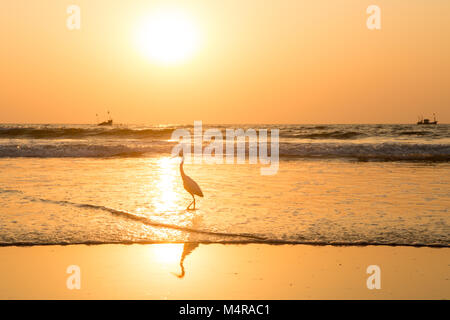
(360, 142)
(83, 133)
(218, 236)
(358, 151)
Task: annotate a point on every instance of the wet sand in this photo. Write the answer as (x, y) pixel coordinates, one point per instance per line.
(218, 271)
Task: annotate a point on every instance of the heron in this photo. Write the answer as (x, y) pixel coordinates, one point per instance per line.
(189, 184)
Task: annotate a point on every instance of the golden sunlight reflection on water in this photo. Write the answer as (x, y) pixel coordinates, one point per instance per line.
(167, 198)
(166, 184)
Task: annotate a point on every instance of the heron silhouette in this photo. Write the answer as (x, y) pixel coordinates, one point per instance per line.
(187, 249)
(189, 184)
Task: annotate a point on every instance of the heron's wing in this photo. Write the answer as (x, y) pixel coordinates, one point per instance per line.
(192, 186)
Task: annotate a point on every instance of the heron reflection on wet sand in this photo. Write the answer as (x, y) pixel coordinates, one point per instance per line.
(187, 249)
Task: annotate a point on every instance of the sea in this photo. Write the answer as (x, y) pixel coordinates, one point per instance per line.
(336, 184)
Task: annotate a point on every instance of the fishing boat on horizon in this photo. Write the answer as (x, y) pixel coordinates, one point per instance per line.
(427, 121)
(108, 122)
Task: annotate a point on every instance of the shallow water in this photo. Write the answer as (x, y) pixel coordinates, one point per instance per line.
(132, 200)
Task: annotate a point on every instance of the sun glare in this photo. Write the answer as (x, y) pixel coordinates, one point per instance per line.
(168, 36)
(168, 175)
(167, 253)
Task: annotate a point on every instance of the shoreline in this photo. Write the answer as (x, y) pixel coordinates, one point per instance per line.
(270, 243)
(223, 271)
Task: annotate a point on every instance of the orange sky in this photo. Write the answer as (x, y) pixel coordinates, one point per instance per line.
(258, 62)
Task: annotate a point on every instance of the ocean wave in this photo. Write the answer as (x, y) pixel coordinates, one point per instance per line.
(74, 151)
(288, 150)
(360, 142)
(219, 237)
(313, 132)
(368, 151)
(80, 133)
(416, 133)
(149, 222)
(338, 135)
(229, 241)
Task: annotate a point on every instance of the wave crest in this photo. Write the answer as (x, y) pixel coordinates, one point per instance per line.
(358, 151)
(80, 133)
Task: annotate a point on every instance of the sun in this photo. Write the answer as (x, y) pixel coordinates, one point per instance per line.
(168, 36)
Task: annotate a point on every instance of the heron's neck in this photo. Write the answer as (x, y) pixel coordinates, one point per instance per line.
(181, 167)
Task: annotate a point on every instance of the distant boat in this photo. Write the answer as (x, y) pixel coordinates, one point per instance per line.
(108, 122)
(427, 121)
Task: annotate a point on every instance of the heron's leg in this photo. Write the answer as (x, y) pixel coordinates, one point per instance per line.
(192, 202)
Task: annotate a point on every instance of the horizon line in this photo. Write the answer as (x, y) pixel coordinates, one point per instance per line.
(227, 123)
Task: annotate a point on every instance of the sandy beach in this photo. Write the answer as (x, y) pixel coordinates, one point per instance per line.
(218, 271)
